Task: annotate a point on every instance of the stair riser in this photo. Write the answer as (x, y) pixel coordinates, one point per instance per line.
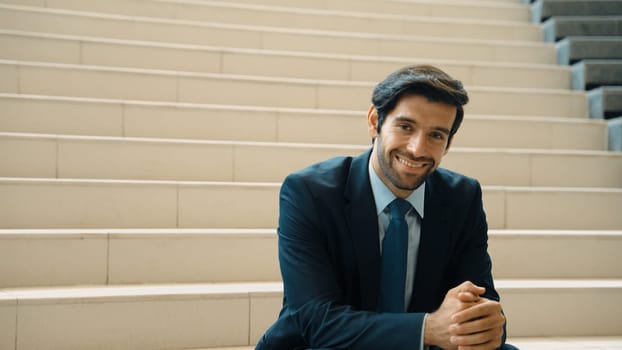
(545, 312)
(70, 204)
(153, 86)
(574, 49)
(271, 16)
(589, 255)
(195, 321)
(8, 327)
(83, 117)
(96, 205)
(199, 11)
(556, 28)
(83, 259)
(566, 134)
(369, 24)
(507, 13)
(239, 36)
(191, 322)
(32, 260)
(545, 9)
(54, 260)
(66, 157)
(37, 48)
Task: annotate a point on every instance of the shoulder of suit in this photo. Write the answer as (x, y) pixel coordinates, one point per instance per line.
(329, 166)
(452, 180)
(329, 172)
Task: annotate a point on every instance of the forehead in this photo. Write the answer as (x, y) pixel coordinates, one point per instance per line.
(421, 110)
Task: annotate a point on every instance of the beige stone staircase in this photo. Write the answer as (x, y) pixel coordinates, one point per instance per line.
(142, 143)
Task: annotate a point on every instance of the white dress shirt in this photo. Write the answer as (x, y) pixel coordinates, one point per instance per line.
(383, 197)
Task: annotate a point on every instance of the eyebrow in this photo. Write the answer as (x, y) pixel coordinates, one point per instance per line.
(403, 118)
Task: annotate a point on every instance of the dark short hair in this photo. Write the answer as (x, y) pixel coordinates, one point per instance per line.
(423, 80)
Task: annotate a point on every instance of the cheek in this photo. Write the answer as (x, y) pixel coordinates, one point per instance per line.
(389, 141)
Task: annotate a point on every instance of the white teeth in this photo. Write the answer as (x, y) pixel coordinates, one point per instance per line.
(409, 164)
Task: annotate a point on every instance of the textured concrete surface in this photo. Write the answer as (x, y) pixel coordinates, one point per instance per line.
(605, 102)
(573, 49)
(556, 28)
(589, 74)
(615, 134)
(543, 9)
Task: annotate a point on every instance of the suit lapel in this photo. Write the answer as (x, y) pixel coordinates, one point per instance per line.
(433, 247)
(362, 222)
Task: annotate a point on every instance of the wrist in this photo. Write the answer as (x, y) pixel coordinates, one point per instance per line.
(429, 334)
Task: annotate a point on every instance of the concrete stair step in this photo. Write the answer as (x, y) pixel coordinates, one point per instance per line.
(559, 27)
(407, 23)
(97, 117)
(137, 317)
(59, 258)
(230, 348)
(272, 38)
(580, 254)
(173, 86)
(187, 316)
(543, 9)
(68, 257)
(565, 343)
(606, 102)
(615, 133)
(71, 203)
(502, 11)
(452, 9)
(71, 49)
(589, 74)
(531, 343)
(90, 157)
(576, 48)
(528, 304)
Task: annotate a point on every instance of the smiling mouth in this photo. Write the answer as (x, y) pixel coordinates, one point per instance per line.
(410, 163)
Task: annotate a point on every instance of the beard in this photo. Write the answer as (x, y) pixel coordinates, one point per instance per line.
(406, 182)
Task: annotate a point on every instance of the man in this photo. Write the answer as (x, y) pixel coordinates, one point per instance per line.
(386, 250)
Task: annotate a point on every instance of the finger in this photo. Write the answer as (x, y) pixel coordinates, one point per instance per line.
(488, 307)
(469, 286)
(477, 325)
(468, 297)
(482, 339)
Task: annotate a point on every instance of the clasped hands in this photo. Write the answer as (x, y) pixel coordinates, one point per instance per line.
(465, 321)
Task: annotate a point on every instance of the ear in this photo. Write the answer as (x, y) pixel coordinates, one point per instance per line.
(372, 121)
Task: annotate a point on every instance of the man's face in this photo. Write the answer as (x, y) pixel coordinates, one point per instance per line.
(413, 139)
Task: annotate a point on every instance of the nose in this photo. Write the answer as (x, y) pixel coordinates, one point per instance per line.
(417, 143)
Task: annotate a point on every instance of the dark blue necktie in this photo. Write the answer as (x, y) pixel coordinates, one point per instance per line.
(394, 252)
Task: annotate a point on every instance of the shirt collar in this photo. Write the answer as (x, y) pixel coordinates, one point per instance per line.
(383, 195)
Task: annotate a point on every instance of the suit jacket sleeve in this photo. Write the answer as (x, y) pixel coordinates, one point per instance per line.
(471, 261)
(313, 291)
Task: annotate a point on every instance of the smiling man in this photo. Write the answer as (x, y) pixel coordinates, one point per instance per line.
(386, 250)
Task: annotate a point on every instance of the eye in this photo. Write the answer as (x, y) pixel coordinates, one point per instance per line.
(437, 135)
(404, 127)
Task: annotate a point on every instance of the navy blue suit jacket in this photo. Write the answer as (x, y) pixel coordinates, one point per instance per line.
(330, 258)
